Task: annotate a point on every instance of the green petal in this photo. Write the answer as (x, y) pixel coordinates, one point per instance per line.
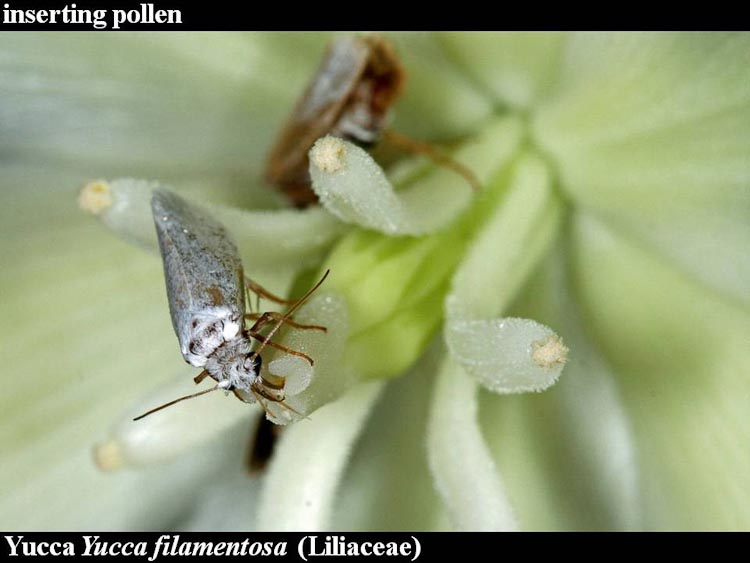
(652, 132)
(681, 354)
(515, 68)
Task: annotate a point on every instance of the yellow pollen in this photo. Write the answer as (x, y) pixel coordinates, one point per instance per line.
(549, 353)
(328, 154)
(108, 456)
(95, 197)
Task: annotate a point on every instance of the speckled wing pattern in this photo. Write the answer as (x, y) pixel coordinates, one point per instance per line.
(202, 267)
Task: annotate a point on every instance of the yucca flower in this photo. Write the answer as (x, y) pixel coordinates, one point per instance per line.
(613, 217)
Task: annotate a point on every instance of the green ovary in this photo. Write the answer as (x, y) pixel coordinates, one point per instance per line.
(395, 286)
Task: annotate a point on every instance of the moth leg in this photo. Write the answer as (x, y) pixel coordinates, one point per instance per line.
(260, 402)
(261, 291)
(240, 397)
(263, 319)
(200, 377)
(260, 338)
(407, 144)
(291, 409)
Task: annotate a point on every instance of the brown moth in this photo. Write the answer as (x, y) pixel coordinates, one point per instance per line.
(349, 96)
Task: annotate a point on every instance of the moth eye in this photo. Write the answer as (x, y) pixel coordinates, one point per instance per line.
(195, 323)
(193, 347)
(252, 363)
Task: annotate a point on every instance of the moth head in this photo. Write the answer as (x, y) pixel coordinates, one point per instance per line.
(252, 364)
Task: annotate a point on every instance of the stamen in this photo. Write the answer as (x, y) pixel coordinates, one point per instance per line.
(301, 484)
(507, 355)
(460, 460)
(280, 237)
(165, 435)
(354, 188)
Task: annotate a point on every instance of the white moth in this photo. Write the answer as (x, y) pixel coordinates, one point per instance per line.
(206, 290)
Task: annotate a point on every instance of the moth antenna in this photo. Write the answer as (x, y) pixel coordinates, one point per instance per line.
(301, 301)
(170, 403)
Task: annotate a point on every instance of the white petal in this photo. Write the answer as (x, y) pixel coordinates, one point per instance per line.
(352, 186)
(224, 500)
(392, 456)
(300, 487)
(438, 102)
(681, 354)
(517, 68)
(164, 104)
(651, 131)
(72, 494)
(464, 471)
(86, 329)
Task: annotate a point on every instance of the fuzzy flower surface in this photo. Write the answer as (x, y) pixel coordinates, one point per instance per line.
(566, 348)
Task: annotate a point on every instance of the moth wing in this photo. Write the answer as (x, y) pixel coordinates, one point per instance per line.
(318, 109)
(202, 267)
